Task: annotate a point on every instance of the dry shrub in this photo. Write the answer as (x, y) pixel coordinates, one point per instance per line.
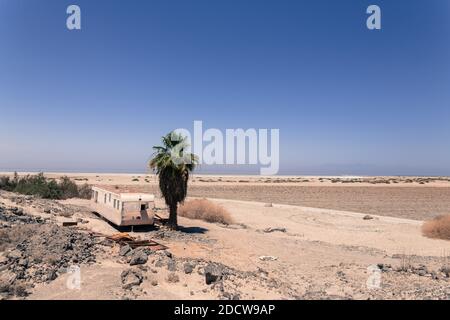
(437, 228)
(206, 210)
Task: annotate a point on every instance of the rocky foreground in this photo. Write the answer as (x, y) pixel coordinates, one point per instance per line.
(36, 251)
(37, 254)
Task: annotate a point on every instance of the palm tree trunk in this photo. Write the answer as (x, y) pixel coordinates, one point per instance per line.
(172, 223)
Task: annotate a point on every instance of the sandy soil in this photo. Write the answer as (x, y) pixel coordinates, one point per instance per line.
(319, 253)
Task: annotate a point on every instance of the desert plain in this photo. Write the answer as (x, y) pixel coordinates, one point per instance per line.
(292, 237)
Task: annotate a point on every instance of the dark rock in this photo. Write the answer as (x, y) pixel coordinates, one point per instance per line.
(17, 211)
(52, 275)
(138, 257)
(125, 250)
(131, 278)
(188, 268)
(421, 273)
(213, 273)
(384, 267)
(171, 265)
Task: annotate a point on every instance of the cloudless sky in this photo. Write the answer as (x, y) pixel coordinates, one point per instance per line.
(347, 100)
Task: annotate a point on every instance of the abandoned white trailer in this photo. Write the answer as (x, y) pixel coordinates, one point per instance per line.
(123, 207)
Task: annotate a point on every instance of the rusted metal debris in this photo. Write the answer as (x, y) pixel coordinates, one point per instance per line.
(125, 238)
(122, 236)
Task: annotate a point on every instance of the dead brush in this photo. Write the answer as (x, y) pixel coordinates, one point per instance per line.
(203, 209)
(445, 268)
(406, 263)
(437, 228)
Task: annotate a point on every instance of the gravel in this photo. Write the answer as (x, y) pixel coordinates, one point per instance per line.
(35, 251)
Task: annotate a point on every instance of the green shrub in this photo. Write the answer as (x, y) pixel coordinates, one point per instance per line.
(69, 189)
(6, 184)
(38, 185)
(84, 191)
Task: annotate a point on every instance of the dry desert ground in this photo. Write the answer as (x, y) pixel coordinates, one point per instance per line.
(292, 238)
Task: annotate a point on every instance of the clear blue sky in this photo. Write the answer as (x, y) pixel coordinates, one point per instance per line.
(346, 100)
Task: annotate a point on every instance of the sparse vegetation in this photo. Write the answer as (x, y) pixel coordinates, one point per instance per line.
(437, 228)
(84, 191)
(203, 209)
(38, 185)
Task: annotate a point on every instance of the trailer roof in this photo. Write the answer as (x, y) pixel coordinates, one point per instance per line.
(127, 193)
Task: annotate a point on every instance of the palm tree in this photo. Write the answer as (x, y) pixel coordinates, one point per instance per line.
(173, 165)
